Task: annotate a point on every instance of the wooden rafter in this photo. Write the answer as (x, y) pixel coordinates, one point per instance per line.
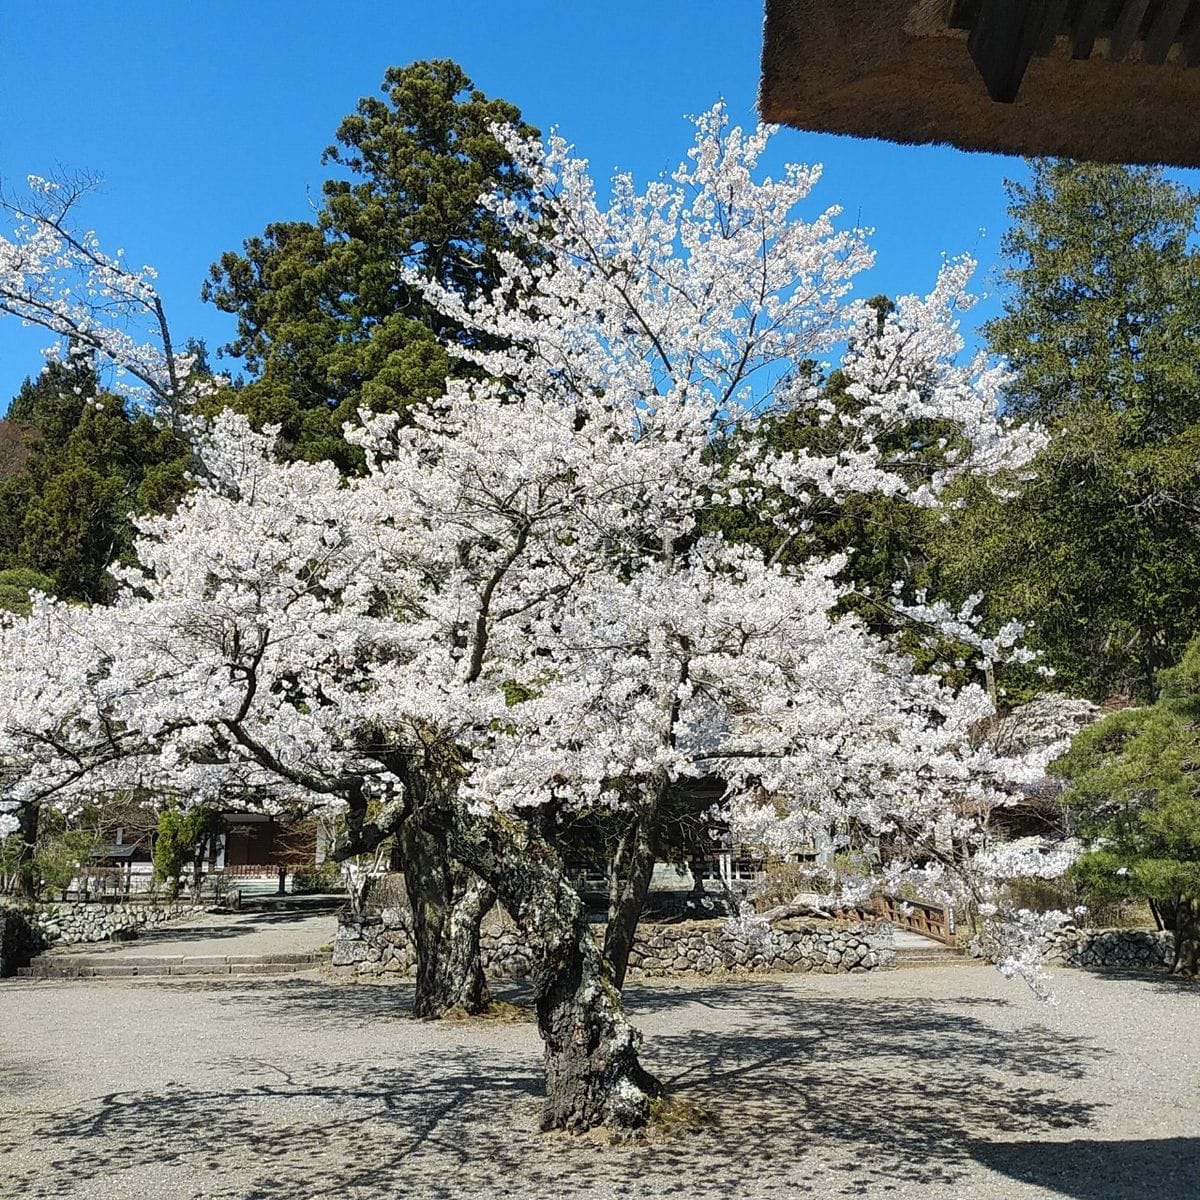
(1003, 36)
(1003, 40)
(1129, 25)
(1164, 30)
(1057, 12)
(1089, 19)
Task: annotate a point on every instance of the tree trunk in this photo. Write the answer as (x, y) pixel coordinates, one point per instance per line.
(446, 901)
(633, 864)
(447, 906)
(593, 1077)
(26, 875)
(1187, 939)
(632, 869)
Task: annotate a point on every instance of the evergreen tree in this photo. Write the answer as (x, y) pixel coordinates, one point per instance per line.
(1096, 547)
(1133, 788)
(327, 321)
(65, 513)
(1102, 306)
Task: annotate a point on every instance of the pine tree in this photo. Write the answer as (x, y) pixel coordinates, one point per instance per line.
(1096, 547)
(1133, 789)
(327, 319)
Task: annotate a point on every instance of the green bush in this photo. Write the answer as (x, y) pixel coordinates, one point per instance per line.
(15, 585)
(62, 856)
(325, 878)
(181, 833)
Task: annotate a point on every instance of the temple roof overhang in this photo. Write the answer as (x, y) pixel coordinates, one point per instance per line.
(1108, 80)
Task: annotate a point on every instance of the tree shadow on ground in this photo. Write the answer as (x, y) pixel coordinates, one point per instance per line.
(797, 1094)
(328, 999)
(1146, 1169)
(1162, 980)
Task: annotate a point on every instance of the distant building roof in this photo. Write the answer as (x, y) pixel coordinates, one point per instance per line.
(118, 852)
(1109, 80)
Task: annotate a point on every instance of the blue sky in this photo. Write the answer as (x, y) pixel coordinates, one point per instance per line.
(207, 120)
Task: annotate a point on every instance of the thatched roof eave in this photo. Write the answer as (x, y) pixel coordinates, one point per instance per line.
(893, 69)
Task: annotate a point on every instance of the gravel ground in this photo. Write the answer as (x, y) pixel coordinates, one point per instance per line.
(938, 1083)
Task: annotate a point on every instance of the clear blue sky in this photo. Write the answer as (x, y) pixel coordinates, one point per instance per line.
(207, 120)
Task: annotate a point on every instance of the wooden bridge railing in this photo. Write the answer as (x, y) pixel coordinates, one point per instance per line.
(929, 920)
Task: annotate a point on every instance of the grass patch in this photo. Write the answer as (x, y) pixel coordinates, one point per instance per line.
(673, 1116)
(501, 1011)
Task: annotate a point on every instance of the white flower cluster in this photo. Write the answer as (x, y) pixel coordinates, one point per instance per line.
(62, 279)
(1013, 938)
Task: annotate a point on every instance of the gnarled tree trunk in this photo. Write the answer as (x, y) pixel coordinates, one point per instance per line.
(28, 815)
(448, 904)
(447, 901)
(633, 864)
(593, 1076)
(1187, 939)
(632, 868)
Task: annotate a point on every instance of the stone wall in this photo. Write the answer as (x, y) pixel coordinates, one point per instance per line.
(701, 947)
(70, 924)
(1130, 949)
(373, 945)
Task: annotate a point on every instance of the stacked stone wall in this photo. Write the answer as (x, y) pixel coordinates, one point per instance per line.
(696, 947)
(73, 924)
(1128, 949)
(383, 943)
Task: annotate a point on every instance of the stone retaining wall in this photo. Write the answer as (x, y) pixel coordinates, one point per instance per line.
(703, 947)
(1131, 949)
(376, 944)
(73, 924)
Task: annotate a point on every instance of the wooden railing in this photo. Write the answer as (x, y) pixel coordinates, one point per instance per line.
(929, 920)
(247, 871)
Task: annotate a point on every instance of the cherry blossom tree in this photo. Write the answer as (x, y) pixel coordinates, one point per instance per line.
(515, 615)
(56, 733)
(684, 308)
(55, 274)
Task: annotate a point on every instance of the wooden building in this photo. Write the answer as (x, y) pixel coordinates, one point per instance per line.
(1106, 80)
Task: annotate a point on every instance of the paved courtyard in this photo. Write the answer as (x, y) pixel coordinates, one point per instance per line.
(938, 1083)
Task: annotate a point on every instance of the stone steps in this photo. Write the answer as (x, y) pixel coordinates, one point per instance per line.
(311, 904)
(125, 966)
(933, 956)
